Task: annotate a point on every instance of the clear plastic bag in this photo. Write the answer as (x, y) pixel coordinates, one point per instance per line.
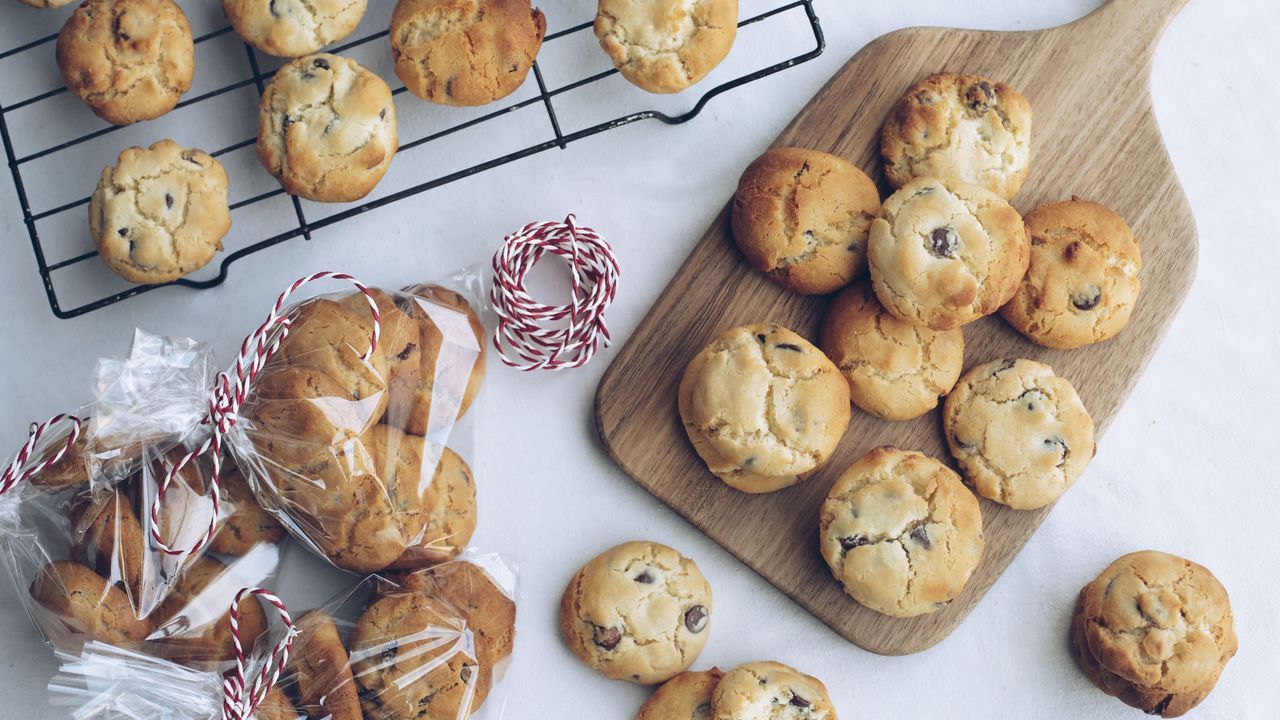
(361, 454)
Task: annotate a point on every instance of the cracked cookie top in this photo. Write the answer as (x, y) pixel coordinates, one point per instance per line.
(159, 213)
(801, 217)
(901, 532)
(962, 129)
(1020, 433)
(639, 611)
(1082, 282)
(896, 370)
(686, 696)
(763, 407)
(943, 255)
(128, 60)
(327, 128)
(770, 691)
(1156, 630)
(465, 52)
(664, 46)
(293, 28)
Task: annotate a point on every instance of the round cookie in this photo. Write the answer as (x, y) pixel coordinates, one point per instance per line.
(770, 691)
(665, 46)
(763, 407)
(107, 537)
(195, 622)
(802, 217)
(443, 502)
(74, 605)
(639, 611)
(963, 129)
(159, 213)
(944, 255)
(465, 52)
(1020, 433)
(901, 533)
(322, 670)
(293, 28)
(247, 525)
(896, 370)
(1154, 630)
(686, 696)
(327, 128)
(128, 60)
(1082, 282)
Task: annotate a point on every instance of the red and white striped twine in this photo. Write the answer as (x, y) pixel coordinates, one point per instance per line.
(18, 470)
(230, 391)
(523, 323)
(240, 700)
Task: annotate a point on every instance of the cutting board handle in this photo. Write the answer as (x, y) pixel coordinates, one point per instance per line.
(1137, 22)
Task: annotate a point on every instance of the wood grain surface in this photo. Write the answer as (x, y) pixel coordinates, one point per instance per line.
(1094, 136)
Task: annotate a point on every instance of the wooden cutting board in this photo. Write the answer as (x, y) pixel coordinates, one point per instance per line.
(1094, 136)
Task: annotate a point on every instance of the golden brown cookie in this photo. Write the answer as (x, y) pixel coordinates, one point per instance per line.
(75, 605)
(1154, 630)
(195, 618)
(293, 28)
(770, 691)
(763, 407)
(963, 129)
(900, 532)
(896, 370)
(324, 684)
(1082, 282)
(247, 525)
(465, 52)
(278, 706)
(45, 4)
(802, 217)
(128, 60)
(665, 46)
(686, 696)
(70, 470)
(107, 537)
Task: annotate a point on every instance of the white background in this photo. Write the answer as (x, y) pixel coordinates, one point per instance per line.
(1187, 467)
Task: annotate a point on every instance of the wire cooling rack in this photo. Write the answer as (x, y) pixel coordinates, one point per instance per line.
(62, 150)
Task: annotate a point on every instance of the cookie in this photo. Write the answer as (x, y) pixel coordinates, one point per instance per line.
(944, 255)
(76, 605)
(319, 662)
(900, 532)
(1082, 282)
(107, 537)
(639, 611)
(44, 4)
(195, 619)
(896, 370)
(415, 660)
(69, 471)
(686, 696)
(763, 407)
(665, 46)
(247, 525)
(802, 217)
(278, 706)
(159, 213)
(1019, 433)
(293, 28)
(963, 129)
(1154, 630)
(465, 52)
(770, 691)
(327, 128)
(128, 60)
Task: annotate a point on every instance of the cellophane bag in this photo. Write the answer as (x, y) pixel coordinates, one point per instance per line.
(361, 455)
(76, 537)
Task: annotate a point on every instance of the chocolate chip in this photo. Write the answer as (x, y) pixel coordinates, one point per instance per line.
(704, 710)
(1071, 251)
(123, 232)
(1004, 365)
(921, 535)
(1162, 706)
(980, 96)
(644, 578)
(168, 201)
(965, 446)
(286, 122)
(799, 702)
(943, 242)
(275, 11)
(308, 76)
(465, 674)
(789, 346)
(695, 618)
(367, 694)
(1087, 298)
(1058, 442)
(1030, 397)
(607, 638)
(749, 461)
(190, 156)
(850, 542)
(760, 338)
(321, 63)
(382, 114)
(388, 655)
(406, 352)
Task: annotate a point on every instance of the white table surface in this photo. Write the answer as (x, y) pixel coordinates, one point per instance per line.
(1187, 466)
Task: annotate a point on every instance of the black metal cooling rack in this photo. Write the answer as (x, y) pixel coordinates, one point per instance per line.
(304, 228)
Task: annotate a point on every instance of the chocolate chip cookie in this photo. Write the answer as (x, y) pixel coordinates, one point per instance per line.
(74, 605)
(639, 611)
(665, 46)
(770, 691)
(327, 128)
(44, 4)
(1020, 433)
(763, 407)
(159, 213)
(195, 620)
(1154, 630)
(943, 255)
(293, 28)
(963, 129)
(802, 217)
(686, 696)
(1082, 282)
(465, 52)
(321, 667)
(247, 525)
(896, 370)
(901, 532)
(128, 60)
